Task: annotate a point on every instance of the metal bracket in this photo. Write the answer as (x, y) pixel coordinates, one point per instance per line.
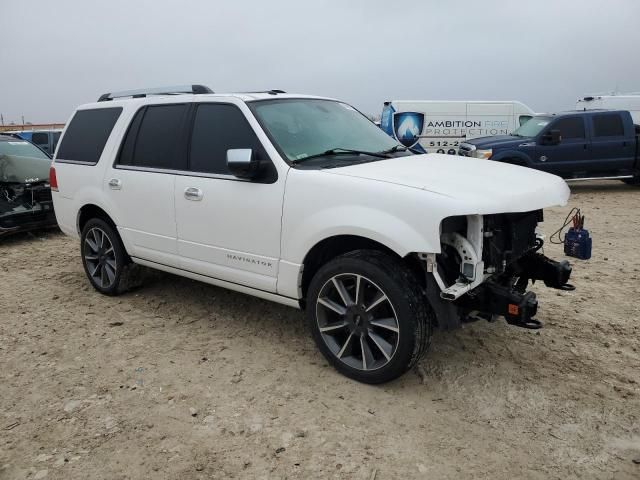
(432, 268)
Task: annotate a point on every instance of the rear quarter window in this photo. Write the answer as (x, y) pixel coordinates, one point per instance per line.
(608, 126)
(87, 135)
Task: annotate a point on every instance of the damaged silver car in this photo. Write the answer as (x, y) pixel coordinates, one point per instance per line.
(25, 194)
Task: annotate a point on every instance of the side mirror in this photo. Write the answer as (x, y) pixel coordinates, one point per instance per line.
(242, 163)
(552, 137)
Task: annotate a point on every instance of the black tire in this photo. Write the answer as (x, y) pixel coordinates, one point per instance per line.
(377, 275)
(635, 181)
(113, 269)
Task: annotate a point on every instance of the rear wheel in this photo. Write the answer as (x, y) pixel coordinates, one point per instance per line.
(368, 316)
(104, 258)
(635, 181)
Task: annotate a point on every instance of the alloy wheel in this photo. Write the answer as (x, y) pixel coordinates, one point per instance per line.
(100, 257)
(357, 321)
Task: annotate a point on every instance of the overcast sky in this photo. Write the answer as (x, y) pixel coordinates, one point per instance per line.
(57, 54)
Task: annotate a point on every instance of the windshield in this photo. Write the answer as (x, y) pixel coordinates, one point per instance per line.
(21, 148)
(302, 128)
(532, 128)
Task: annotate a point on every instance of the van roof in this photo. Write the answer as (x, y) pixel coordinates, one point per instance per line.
(579, 112)
(590, 98)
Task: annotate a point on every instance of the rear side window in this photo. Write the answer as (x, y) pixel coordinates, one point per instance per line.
(570, 127)
(608, 126)
(216, 129)
(40, 138)
(154, 138)
(87, 134)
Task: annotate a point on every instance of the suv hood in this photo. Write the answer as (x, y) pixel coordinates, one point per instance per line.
(480, 186)
(499, 141)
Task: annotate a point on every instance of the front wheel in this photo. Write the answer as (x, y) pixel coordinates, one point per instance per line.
(368, 316)
(104, 258)
(635, 181)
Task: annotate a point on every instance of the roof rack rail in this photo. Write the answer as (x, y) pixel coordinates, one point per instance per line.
(273, 91)
(141, 93)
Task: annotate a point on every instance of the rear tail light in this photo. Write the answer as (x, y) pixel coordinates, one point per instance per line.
(53, 181)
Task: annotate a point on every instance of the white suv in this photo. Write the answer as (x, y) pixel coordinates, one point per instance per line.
(303, 201)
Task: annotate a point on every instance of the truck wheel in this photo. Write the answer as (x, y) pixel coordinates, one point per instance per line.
(635, 181)
(368, 316)
(104, 258)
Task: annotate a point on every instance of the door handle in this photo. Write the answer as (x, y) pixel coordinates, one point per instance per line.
(193, 193)
(115, 184)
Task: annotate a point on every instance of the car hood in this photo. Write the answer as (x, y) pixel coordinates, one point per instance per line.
(15, 169)
(475, 185)
(499, 141)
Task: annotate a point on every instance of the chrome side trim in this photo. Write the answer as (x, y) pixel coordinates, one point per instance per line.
(184, 173)
(74, 162)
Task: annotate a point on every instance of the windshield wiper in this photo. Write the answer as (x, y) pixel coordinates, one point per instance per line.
(394, 149)
(340, 151)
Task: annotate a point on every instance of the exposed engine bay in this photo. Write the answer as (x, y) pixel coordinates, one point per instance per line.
(25, 194)
(485, 267)
(25, 206)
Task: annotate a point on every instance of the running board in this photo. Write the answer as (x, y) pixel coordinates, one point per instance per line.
(273, 297)
(621, 177)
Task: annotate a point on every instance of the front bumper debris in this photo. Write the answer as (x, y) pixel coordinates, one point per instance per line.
(28, 222)
(506, 295)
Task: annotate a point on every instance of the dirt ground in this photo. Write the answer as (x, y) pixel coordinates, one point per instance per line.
(184, 380)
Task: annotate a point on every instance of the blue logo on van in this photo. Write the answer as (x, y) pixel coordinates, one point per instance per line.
(407, 126)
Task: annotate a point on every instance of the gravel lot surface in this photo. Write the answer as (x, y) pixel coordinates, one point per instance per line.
(184, 380)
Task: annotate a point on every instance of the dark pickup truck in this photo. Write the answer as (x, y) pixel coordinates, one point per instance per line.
(576, 145)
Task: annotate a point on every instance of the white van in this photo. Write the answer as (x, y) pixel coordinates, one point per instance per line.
(624, 101)
(439, 126)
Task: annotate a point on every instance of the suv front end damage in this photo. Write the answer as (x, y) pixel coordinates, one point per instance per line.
(486, 264)
(25, 194)
(25, 207)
